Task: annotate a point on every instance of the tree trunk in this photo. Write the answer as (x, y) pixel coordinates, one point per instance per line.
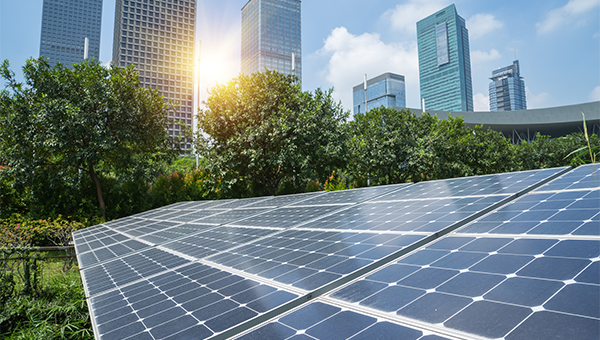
(98, 190)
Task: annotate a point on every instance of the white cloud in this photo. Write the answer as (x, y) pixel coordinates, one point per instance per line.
(478, 57)
(573, 12)
(537, 101)
(482, 24)
(595, 94)
(481, 102)
(351, 56)
(404, 17)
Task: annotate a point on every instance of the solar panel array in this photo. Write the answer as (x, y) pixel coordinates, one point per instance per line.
(512, 256)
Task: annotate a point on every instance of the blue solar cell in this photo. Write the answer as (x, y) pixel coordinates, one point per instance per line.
(489, 319)
(428, 278)
(576, 249)
(486, 244)
(393, 273)
(388, 331)
(272, 331)
(471, 284)
(502, 264)
(309, 315)
(524, 291)
(424, 257)
(459, 260)
(341, 326)
(554, 268)
(230, 319)
(551, 325)
(591, 274)
(527, 247)
(588, 228)
(392, 298)
(580, 299)
(358, 291)
(434, 307)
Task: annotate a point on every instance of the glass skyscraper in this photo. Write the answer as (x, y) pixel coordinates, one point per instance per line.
(158, 37)
(507, 89)
(387, 90)
(271, 32)
(445, 62)
(65, 25)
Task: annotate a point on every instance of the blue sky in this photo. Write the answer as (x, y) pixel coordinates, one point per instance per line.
(556, 41)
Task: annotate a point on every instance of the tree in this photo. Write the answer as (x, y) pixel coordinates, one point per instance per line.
(380, 145)
(86, 119)
(260, 129)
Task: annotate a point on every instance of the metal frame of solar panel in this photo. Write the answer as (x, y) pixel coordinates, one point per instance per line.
(529, 269)
(295, 253)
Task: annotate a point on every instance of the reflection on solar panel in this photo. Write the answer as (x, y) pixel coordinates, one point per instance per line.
(513, 256)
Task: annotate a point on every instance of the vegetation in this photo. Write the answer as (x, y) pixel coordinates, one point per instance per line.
(40, 298)
(261, 130)
(86, 119)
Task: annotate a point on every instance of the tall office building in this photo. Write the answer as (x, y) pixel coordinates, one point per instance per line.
(65, 25)
(507, 89)
(158, 37)
(445, 62)
(271, 32)
(387, 90)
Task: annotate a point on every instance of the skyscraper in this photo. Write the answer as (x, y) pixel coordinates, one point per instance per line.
(387, 90)
(271, 32)
(65, 25)
(158, 37)
(507, 89)
(445, 62)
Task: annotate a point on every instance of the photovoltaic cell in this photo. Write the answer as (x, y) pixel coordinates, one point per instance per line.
(192, 301)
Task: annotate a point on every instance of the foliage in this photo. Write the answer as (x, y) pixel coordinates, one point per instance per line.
(258, 130)
(88, 119)
(335, 183)
(587, 150)
(545, 152)
(57, 311)
(177, 187)
(390, 146)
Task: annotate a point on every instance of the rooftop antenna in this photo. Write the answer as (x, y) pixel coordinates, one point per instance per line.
(86, 48)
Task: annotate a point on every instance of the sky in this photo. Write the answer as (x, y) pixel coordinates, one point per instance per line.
(557, 43)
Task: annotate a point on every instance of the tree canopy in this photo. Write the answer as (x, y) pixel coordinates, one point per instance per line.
(261, 129)
(83, 119)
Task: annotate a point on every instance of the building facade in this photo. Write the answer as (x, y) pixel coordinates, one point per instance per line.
(445, 62)
(507, 89)
(271, 33)
(157, 36)
(65, 25)
(387, 90)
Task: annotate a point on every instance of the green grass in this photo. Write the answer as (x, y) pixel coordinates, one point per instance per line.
(57, 310)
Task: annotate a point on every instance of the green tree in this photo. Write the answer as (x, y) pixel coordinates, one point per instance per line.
(260, 129)
(381, 143)
(87, 119)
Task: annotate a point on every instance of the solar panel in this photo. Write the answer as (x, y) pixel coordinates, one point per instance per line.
(377, 259)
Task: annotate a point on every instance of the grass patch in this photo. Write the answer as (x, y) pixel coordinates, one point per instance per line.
(56, 310)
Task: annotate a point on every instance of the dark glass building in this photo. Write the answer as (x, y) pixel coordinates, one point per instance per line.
(158, 37)
(445, 62)
(65, 25)
(271, 33)
(387, 90)
(507, 89)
